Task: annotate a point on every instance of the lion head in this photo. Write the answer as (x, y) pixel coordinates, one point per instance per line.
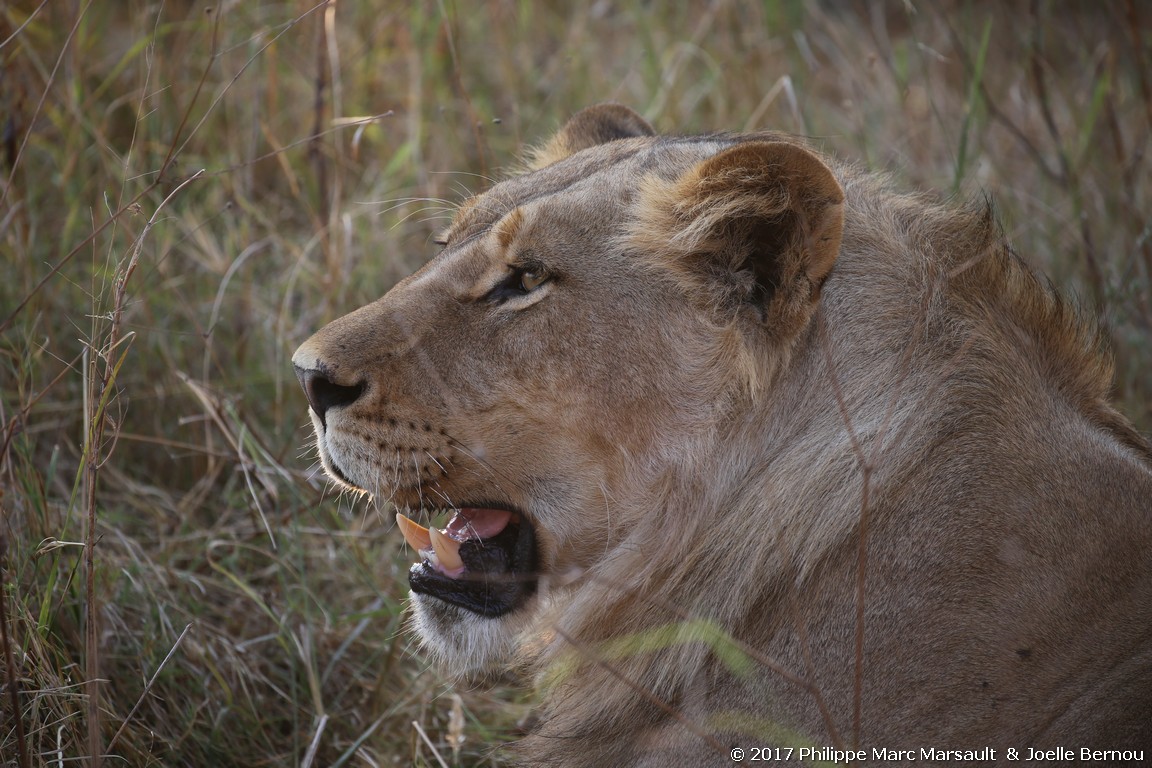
(738, 443)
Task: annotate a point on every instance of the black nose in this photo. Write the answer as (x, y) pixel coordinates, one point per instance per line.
(323, 393)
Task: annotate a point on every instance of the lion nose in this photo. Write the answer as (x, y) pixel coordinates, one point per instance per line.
(323, 393)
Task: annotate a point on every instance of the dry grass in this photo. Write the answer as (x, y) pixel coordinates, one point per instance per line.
(188, 192)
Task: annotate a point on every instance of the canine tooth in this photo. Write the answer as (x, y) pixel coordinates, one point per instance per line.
(415, 534)
(447, 550)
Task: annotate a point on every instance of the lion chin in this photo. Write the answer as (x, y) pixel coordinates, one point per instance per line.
(731, 444)
(464, 643)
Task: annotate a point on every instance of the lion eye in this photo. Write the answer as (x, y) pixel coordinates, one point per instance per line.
(531, 279)
(521, 282)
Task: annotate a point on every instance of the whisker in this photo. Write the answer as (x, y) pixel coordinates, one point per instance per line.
(444, 217)
(416, 480)
(447, 499)
(399, 202)
(436, 461)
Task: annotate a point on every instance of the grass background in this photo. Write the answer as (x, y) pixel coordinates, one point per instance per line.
(188, 191)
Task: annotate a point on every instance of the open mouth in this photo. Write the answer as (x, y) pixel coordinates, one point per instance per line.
(484, 560)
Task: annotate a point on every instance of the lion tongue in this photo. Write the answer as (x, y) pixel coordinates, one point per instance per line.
(473, 523)
(442, 547)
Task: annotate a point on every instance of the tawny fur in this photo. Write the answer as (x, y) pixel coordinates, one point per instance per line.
(747, 357)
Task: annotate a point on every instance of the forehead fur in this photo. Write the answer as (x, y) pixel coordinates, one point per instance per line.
(507, 228)
(607, 169)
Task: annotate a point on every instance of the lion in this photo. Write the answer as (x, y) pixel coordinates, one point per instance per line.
(745, 449)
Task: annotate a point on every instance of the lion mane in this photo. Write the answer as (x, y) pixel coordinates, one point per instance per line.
(742, 447)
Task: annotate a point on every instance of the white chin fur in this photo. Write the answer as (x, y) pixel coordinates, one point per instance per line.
(463, 643)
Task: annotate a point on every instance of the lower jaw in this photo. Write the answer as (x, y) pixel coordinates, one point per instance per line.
(480, 594)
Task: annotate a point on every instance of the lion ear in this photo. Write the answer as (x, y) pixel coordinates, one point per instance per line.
(758, 223)
(593, 125)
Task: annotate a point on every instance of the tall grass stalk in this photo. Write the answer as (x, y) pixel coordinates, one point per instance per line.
(103, 365)
(971, 105)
